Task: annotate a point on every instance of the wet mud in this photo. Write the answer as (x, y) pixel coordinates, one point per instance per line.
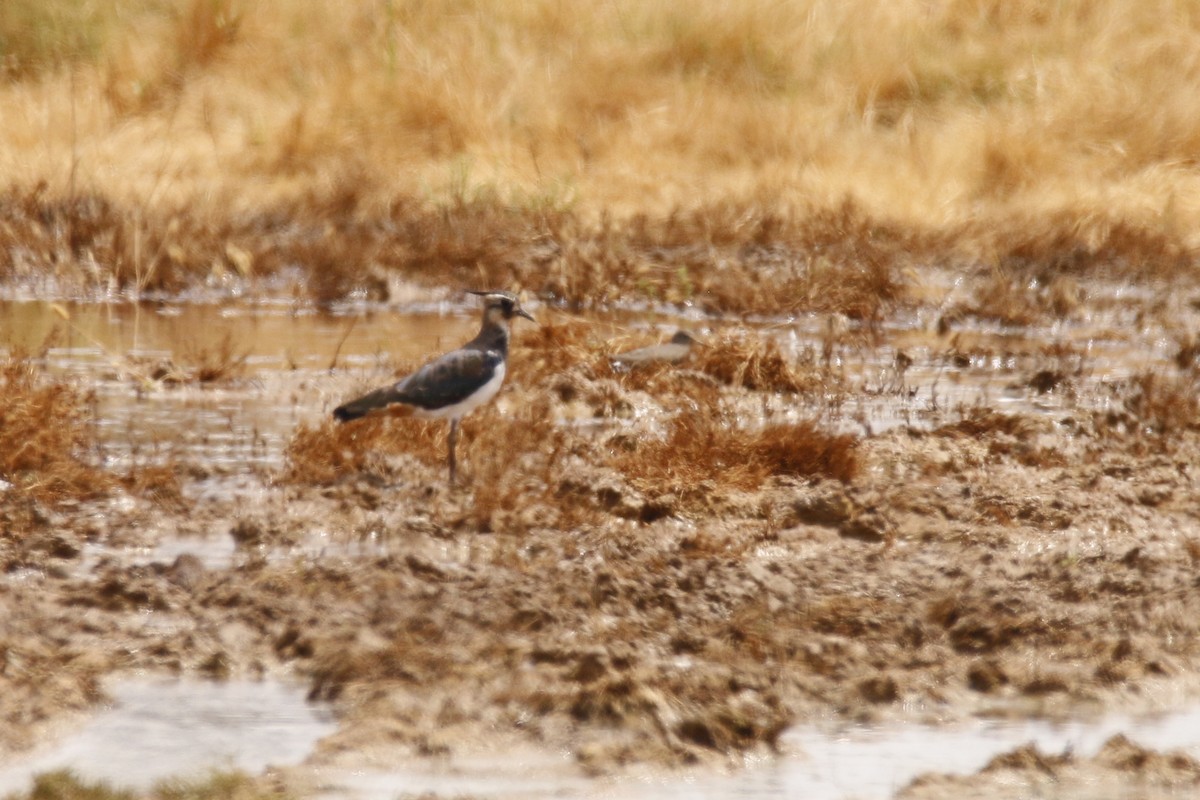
(637, 571)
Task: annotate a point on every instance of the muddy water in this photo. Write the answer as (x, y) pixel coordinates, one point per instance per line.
(117, 350)
(863, 762)
(907, 375)
(158, 729)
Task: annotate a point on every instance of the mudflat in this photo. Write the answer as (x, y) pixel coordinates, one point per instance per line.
(932, 455)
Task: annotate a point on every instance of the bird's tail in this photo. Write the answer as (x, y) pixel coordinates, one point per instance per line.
(376, 401)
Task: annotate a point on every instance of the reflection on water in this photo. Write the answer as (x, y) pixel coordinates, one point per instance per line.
(162, 729)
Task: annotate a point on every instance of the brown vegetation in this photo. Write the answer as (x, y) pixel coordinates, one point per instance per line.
(660, 564)
(705, 450)
(47, 440)
(757, 363)
(844, 149)
(1155, 410)
(328, 452)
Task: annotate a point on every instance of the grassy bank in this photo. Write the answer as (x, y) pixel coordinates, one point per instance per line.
(923, 111)
(1006, 134)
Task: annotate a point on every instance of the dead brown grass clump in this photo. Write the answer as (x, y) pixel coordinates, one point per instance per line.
(516, 463)
(468, 242)
(743, 258)
(221, 362)
(1015, 298)
(89, 242)
(1159, 405)
(725, 258)
(159, 483)
(757, 364)
(703, 451)
(1007, 436)
(511, 464)
(45, 438)
(546, 350)
(1037, 269)
(329, 452)
(984, 422)
(1088, 244)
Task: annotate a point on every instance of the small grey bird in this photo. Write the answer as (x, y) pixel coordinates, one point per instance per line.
(452, 385)
(673, 351)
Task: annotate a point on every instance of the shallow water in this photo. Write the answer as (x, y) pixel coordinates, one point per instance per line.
(863, 762)
(297, 362)
(158, 729)
(114, 349)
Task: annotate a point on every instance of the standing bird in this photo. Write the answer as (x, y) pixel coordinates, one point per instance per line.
(454, 384)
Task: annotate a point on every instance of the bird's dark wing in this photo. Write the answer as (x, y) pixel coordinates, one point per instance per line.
(450, 379)
(442, 382)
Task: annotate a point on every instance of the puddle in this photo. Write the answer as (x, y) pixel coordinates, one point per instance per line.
(222, 552)
(875, 762)
(159, 729)
(859, 762)
(246, 423)
(240, 423)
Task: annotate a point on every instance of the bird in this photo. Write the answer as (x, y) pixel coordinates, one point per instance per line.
(453, 384)
(673, 351)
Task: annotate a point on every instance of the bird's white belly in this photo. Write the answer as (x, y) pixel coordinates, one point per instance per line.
(464, 407)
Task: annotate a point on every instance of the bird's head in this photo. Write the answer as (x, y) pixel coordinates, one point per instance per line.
(683, 337)
(502, 306)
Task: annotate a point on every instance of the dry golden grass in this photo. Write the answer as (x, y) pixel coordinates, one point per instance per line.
(41, 37)
(704, 155)
(46, 437)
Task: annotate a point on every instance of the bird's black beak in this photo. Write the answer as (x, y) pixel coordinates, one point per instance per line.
(520, 312)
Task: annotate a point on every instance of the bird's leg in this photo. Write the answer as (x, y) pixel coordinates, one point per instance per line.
(453, 442)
